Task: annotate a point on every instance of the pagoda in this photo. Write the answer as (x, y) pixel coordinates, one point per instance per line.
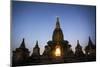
(58, 48)
(21, 54)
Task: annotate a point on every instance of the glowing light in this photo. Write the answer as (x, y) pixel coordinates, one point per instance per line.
(58, 51)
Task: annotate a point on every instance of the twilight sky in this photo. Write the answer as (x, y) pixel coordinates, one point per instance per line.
(36, 21)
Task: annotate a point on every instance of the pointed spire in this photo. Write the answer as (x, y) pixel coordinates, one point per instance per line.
(89, 38)
(57, 23)
(78, 50)
(90, 45)
(90, 41)
(22, 44)
(36, 44)
(78, 44)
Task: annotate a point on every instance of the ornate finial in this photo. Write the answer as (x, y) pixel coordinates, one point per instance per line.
(57, 23)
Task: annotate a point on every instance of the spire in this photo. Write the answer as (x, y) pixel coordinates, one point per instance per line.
(90, 42)
(57, 23)
(22, 44)
(90, 45)
(78, 44)
(36, 44)
(57, 33)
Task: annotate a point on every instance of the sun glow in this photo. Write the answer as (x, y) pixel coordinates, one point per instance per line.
(58, 51)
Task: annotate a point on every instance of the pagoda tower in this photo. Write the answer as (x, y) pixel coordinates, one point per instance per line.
(90, 49)
(78, 50)
(35, 57)
(58, 47)
(36, 50)
(21, 54)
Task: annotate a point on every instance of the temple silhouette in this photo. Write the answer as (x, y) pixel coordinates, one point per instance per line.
(57, 50)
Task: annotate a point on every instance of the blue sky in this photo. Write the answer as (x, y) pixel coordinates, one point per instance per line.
(36, 21)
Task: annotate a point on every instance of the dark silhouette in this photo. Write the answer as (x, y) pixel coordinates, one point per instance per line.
(90, 50)
(35, 57)
(57, 50)
(20, 55)
(78, 50)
